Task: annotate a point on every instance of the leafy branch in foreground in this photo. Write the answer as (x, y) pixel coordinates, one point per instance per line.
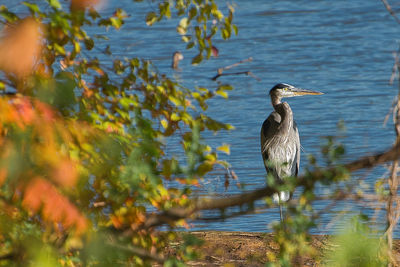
(85, 140)
(309, 180)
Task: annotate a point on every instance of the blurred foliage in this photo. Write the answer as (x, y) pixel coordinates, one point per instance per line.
(83, 142)
(358, 245)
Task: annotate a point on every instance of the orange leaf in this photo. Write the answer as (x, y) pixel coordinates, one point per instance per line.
(20, 47)
(25, 113)
(55, 207)
(82, 4)
(116, 221)
(66, 173)
(3, 176)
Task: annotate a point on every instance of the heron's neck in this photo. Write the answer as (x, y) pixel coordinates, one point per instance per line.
(275, 100)
(284, 110)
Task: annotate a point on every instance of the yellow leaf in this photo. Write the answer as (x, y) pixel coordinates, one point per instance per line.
(175, 117)
(224, 94)
(224, 148)
(182, 28)
(164, 123)
(211, 157)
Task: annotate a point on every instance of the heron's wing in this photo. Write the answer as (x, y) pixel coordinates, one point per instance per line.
(297, 156)
(268, 130)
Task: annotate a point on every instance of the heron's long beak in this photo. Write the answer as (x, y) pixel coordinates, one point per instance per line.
(299, 91)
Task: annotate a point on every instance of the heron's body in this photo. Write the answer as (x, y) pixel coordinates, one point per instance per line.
(279, 131)
(280, 141)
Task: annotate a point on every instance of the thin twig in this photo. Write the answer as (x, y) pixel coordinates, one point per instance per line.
(394, 68)
(221, 70)
(248, 73)
(236, 64)
(142, 253)
(389, 8)
(391, 110)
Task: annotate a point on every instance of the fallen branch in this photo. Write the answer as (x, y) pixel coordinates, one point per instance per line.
(248, 73)
(235, 64)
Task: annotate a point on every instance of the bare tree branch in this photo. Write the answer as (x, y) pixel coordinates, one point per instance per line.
(142, 253)
(248, 73)
(177, 213)
(8, 256)
(390, 10)
(236, 64)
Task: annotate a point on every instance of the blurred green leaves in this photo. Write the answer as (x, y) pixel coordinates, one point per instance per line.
(98, 141)
(357, 245)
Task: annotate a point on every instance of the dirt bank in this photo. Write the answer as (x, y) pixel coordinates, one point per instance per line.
(251, 249)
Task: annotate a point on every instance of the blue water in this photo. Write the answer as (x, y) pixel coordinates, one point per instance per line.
(342, 48)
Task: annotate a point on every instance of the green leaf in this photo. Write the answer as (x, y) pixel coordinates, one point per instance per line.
(151, 18)
(235, 29)
(77, 47)
(116, 22)
(218, 14)
(55, 4)
(104, 22)
(9, 16)
(225, 34)
(94, 14)
(165, 9)
(101, 36)
(32, 7)
(190, 45)
(197, 59)
(192, 13)
(59, 49)
(225, 87)
(89, 43)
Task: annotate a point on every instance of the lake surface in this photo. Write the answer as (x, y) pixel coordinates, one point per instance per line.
(342, 48)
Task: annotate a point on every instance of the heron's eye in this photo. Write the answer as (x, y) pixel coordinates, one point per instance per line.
(285, 89)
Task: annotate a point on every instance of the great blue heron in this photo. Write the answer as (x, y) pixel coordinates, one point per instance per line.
(280, 142)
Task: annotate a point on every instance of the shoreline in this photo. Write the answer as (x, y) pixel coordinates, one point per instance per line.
(254, 249)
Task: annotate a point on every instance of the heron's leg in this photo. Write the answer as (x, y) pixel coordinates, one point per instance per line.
(281, 212)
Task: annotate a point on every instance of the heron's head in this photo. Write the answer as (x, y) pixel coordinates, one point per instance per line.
(282, 90)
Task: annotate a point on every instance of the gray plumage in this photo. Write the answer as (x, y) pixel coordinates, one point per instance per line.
(280, 141)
